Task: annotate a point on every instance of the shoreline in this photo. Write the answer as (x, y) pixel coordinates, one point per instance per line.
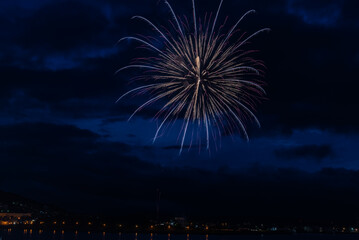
(62, 230)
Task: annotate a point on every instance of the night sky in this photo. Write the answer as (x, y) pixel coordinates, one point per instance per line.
(65, 142)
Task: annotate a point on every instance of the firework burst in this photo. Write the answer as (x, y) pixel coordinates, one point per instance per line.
(200, 75)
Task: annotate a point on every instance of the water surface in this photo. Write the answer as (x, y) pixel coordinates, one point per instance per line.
(6, 234)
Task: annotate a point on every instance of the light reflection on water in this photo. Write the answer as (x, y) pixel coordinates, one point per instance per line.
(11, 234)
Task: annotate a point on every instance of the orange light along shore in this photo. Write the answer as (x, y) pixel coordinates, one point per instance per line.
(14, 218)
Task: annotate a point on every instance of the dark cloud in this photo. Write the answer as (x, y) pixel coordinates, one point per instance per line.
(50, 86)
(178, 147)
(62, 26)
(114, 120)
(309, 69)
(63, 158)
(307, 86)
(42, 142)
(318, 13)
(318, 152)
(81, 171)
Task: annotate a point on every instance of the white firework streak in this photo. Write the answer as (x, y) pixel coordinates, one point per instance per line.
(202, 76)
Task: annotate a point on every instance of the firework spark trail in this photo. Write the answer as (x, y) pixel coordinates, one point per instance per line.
(201, 76)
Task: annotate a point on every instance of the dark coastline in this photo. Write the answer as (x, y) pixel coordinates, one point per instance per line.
(100, 230)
